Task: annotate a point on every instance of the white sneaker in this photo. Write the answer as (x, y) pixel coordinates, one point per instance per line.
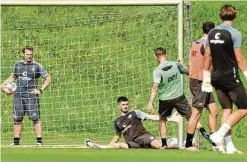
(191, 148)
(38, 144)
(218, 141)
(214, 148)
(221, 148)
(13, 144)
(91, 144)
(233, 151)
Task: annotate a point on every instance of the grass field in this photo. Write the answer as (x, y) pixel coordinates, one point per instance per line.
(95, 54)
(103, 155)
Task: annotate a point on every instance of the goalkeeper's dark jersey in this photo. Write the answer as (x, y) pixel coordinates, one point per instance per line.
(130, 125)
(222, 40)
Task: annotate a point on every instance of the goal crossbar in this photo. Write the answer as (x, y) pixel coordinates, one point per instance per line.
(91, 2)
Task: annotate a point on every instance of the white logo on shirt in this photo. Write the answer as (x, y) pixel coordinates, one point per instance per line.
(24, 76)
(217, 39)
(24, 73)
(129, 116)
(217, 36)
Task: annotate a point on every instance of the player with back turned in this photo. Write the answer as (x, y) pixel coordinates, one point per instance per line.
(224, 53)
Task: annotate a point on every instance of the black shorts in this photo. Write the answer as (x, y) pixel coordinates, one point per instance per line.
(180, 104)
(236, 95)
(200, 99)
(143, 141)
(26, 105)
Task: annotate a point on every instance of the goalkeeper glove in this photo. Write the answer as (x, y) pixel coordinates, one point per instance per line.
(206, 83)
(245, 74)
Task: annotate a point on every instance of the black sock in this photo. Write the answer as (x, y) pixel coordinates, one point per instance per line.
(16, 140)
(164, 143)
(39, 140)
(189, 140)
(204, 132)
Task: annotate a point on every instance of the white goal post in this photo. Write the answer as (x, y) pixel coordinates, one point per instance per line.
(76, 95)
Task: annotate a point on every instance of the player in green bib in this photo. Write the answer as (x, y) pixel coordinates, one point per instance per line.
(169, 87)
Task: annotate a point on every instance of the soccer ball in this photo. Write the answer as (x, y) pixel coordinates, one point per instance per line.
(9, 87)
(173, 140)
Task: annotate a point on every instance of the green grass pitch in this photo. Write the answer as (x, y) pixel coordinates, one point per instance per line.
(124, 155)
(200, 12)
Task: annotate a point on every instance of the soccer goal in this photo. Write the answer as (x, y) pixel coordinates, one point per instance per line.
(94, 53)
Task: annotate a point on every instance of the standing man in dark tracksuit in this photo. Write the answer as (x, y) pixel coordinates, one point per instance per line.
(26, 95)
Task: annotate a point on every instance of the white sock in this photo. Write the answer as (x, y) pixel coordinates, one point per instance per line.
(223, 130)
(229, 143)
(102, 146)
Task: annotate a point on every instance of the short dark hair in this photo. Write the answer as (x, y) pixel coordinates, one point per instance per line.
(228, 12)
(122, 98)
(30, 48)
(207, 26)
(160, 51)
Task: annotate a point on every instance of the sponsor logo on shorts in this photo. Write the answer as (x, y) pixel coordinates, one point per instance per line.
(151, 138)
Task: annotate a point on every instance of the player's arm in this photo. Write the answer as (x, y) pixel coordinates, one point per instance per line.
(47, 81)
(154, 90)
(116, 138)
(239, 54)
(207, 67)
(11, 78)
(47, 78)
(240, 59)
(153, 93)
(182, 68)
(143, 116)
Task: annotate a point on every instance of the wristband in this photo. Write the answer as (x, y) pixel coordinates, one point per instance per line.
(41, 91)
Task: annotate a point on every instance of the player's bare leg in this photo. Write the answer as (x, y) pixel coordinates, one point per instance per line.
(156, 144)
(38, 131)
(91, 144)
(163, 132)
(17, 133)
(212, 120)
(212, 117)
(192, 124)
(118, 145)
(232, 120)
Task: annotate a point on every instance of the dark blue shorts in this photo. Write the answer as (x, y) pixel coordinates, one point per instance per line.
(26, 105)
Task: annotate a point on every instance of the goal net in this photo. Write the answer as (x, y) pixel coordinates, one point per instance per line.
(94, 54)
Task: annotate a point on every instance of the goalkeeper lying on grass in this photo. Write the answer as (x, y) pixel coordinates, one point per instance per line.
(129, 124)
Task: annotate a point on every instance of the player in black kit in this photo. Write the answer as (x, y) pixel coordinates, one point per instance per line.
(224, 53)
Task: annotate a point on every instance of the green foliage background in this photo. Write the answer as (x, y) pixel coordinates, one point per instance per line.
(94, 54)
